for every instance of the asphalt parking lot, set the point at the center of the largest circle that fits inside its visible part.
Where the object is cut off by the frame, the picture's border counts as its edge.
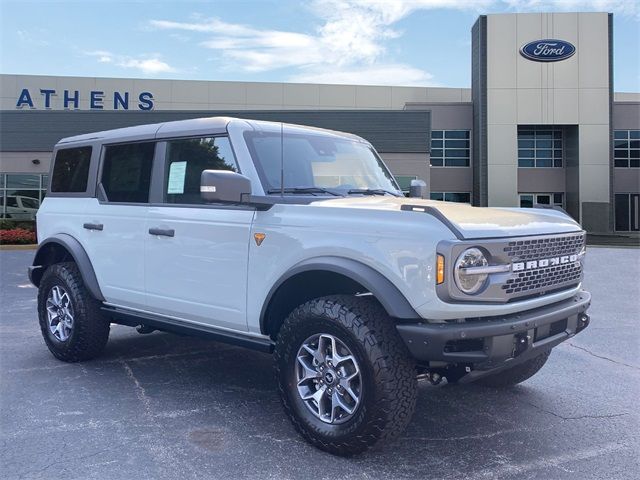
(162, 406)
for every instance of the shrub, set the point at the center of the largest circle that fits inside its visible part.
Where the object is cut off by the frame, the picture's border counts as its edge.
(17, 236)
(9, 224)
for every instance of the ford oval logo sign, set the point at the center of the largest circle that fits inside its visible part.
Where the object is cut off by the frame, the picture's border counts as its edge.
(547, 50)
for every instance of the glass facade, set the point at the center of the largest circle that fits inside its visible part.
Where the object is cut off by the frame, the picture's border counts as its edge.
(626, 148)
(460, 197)
(450, 148)
(528, 200)
(627, 212)
(539, 147)
(21, 195)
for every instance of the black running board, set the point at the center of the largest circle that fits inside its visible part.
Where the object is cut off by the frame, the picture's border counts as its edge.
(133, 319)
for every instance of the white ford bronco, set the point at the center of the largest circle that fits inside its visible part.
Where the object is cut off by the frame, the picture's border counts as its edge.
(298, 241)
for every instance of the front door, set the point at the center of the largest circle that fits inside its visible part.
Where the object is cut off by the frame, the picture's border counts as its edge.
(196, 255)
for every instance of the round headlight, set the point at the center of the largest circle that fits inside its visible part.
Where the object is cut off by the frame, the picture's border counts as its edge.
(466, 282)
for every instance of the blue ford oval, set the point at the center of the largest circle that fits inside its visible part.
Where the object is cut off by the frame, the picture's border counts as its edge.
(549, 50)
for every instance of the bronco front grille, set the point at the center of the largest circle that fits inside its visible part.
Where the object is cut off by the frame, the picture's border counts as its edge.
(545, 247)
(549, 276)
(544, 277)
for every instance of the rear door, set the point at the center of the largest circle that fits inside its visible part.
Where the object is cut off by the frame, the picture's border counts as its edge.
(197, 254)
(114, 223)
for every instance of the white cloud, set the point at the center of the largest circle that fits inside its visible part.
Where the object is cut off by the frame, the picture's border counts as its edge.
(378, 74)
(36, 37)
(349, 43)
(151, 65)
(620, 7)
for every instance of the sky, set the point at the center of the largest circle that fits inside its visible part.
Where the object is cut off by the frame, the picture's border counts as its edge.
(377, 42)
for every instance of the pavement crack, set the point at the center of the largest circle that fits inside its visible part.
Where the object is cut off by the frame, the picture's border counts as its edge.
(140, 391)
(602, 357)
(579, 417)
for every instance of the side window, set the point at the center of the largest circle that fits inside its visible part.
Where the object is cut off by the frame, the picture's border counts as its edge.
(126, 172)
(71, 170)
(186, 159)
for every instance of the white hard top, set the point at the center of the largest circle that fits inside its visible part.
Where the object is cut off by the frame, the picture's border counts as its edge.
(195, 126)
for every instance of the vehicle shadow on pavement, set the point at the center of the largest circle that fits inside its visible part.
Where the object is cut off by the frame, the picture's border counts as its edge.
(216, 399)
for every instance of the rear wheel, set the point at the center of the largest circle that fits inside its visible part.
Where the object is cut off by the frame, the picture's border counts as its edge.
(516, 374)
(72, 324)
(346, 379)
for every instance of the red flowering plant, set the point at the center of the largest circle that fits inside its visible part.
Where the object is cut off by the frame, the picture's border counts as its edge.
(17, 236)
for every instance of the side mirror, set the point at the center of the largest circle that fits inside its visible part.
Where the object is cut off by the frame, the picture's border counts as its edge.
(224, 186)
(418, 189)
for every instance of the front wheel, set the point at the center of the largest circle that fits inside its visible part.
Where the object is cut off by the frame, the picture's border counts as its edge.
(346, 379)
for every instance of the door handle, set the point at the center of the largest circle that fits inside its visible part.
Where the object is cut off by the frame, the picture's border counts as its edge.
(163, 232)
(93, 226)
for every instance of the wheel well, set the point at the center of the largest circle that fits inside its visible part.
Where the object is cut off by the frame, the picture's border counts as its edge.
(48, 255)
(301, 288)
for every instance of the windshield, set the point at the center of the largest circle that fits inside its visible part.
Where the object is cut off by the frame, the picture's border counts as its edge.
(316, 163)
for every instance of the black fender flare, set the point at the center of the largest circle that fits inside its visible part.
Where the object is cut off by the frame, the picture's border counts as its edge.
(79, 255)
(393, 301)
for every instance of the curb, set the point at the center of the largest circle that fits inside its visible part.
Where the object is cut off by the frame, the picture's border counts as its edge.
(18, 247)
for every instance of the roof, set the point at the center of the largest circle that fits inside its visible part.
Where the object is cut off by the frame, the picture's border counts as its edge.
(194, 126)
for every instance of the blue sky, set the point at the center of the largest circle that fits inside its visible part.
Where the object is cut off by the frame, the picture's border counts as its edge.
(395, 42)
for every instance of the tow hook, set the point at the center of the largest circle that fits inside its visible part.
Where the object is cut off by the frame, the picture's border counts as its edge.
(434, 378)
(583, 322)
(521, 343)
(144, 329)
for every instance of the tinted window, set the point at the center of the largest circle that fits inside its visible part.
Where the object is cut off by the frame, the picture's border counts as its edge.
(71, 170)
(186, 159)
(126, 172)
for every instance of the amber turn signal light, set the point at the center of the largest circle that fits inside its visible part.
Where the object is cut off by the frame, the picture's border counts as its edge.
(439, 269)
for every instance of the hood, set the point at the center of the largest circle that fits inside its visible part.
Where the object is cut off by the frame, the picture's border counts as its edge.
(465, 221)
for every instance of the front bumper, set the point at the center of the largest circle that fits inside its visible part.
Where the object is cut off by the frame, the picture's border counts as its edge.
(497, 342)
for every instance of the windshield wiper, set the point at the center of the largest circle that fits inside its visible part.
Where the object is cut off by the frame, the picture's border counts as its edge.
(371, 191)
(303, 190)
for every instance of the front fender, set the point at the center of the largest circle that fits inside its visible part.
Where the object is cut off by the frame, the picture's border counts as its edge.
(393, 301)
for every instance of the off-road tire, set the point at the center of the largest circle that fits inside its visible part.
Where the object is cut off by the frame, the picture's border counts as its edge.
(90, 330)
(388, 372)
(516, 374)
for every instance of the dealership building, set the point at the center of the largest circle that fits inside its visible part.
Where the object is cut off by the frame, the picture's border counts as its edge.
(541, 123)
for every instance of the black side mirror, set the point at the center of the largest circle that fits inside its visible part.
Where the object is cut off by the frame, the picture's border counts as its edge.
(418, 189)
(224, 186)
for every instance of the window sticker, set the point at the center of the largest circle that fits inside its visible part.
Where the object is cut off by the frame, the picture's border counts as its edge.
(177, 172)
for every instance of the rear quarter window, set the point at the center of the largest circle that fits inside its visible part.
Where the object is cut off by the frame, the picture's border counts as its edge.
(71, 170)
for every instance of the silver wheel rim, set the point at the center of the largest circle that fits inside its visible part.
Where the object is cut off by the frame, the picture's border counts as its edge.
(59, 313)
(328, 378)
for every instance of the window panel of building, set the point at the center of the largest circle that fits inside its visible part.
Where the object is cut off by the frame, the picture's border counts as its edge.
(627, 212)
(529, 200)
(459, 197)
(626, 148)
(21, 195)
(539, 147)
(450, 148)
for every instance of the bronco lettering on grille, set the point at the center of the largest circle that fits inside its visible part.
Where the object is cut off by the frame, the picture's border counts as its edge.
(546, 262)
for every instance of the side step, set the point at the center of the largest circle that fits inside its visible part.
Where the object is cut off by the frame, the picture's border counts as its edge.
(134, 319)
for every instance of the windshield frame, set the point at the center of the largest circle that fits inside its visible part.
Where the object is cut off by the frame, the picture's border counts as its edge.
(297, 131)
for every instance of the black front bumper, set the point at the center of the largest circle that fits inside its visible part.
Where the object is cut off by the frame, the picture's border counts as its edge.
(493, 343)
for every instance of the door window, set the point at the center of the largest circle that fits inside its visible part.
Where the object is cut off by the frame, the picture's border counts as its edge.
(126, 172)
(186, 160)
